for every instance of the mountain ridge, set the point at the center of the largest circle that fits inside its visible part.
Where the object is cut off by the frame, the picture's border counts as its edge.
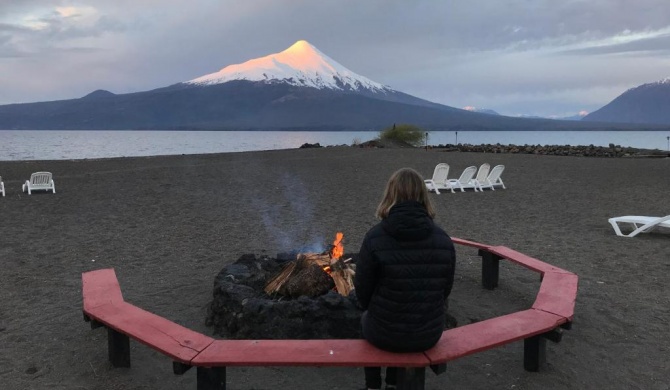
(645, 104)
(308, 91)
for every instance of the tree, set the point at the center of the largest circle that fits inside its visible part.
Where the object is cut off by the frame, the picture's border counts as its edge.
(403, 133)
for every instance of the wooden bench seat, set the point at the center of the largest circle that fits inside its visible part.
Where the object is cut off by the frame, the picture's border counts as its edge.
(557, 295)
(353, 352)
(99, 288)
(484, 335)
(179, 343)
(524, 260)
(103, 305)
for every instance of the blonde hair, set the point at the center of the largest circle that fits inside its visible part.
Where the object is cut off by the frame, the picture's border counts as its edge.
(405, 184)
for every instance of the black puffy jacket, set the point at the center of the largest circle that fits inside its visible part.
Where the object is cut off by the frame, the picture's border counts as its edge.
(404, 275)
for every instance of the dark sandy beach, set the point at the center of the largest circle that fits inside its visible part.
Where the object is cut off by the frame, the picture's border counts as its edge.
(169, 224)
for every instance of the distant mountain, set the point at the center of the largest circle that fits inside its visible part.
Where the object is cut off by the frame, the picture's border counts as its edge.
(571, 118)
(480, 110)
(299, 88)
(578, 117)
(99, 93)
(647, 103)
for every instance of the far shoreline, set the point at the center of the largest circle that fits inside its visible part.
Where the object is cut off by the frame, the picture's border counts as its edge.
(612, 151)
(75, 144)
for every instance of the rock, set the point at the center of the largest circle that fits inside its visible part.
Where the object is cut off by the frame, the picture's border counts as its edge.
(308, 145)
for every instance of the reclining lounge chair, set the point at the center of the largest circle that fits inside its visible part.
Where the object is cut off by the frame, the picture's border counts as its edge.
(493, 179)
(465, 181)
(641, 224)
(439, 180)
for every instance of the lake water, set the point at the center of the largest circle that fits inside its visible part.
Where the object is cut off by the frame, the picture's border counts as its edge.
(66, 145)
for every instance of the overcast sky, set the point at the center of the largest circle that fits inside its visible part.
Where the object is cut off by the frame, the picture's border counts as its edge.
(533, 57)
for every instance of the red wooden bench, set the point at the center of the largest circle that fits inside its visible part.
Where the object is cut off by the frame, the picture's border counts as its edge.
(103, 305)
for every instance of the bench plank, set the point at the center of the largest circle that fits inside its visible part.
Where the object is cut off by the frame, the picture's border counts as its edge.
(480, 336)
(473, 244)
(557, 295)
(352, 352)
(165, 336)
(99, 288)
(524, 260)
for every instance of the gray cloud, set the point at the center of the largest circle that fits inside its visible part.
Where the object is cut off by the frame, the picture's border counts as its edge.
(653, 46)
(515, 56)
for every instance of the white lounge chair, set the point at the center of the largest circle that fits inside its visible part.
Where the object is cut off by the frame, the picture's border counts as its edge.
(465, 181)
(39, 181)
(641, 224)
(2, 186)
(482, 174)
(439, 180)
(493, 179)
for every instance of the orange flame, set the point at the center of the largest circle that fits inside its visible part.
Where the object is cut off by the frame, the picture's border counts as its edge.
(338, 248)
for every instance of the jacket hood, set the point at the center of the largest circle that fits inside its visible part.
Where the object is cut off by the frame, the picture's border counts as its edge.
(408, 221)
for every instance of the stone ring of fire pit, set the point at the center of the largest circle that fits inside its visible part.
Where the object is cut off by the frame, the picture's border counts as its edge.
(241, 309)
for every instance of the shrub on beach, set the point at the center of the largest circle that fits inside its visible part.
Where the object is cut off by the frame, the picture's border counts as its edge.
(403, 133)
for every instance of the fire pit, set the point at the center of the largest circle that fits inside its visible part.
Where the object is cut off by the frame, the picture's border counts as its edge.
(292, 296)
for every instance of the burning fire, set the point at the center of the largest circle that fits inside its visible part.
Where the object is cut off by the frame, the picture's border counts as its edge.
(338, 248)
(341, 271)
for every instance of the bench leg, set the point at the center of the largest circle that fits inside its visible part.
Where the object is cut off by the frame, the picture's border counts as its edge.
(118, 345)
(94, 324)
(439, 369)
(534, 352)
(490, 268)
(211, 378)
(179, 368)
(411, 378)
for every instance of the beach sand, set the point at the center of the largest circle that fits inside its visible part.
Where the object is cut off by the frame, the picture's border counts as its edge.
(167, 225)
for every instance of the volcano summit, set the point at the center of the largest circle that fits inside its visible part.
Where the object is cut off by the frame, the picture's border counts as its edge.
(301, 65)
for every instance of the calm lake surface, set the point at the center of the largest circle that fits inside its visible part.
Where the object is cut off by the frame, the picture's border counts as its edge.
(66, 145)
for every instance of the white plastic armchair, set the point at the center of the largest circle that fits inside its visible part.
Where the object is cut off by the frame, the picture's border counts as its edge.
(39, 181)
(439, 180)
(640, 223)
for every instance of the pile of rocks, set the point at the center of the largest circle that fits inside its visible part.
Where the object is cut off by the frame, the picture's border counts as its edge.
(557, 150)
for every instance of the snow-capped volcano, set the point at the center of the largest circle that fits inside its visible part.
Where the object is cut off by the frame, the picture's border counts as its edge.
(299, 88)
(301, 65)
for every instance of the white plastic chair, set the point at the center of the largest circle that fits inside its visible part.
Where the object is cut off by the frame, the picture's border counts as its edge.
(2, 186)
(465, 180)
(482, 174)
(39, 181)
(493, 179)
(641, 224)
(439, 180)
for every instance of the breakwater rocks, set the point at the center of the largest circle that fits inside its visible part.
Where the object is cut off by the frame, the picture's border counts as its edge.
(557, 150)
(550, 150)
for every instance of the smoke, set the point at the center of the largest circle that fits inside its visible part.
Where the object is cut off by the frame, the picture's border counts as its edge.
(290, 222)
